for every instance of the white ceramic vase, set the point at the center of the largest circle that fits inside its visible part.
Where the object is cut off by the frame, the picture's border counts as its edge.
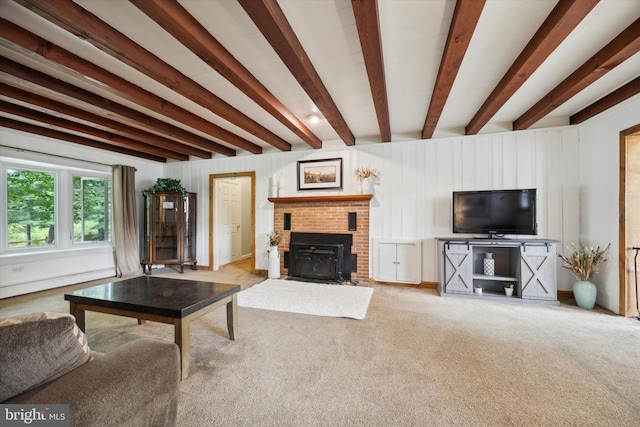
(366, 186)
(274, 262)
(489, 264)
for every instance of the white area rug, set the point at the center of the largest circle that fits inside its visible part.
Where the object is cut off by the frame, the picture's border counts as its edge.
(308, 298)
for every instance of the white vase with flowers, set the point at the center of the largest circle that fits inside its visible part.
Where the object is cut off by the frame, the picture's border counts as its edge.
(275, 237)
(364, 177)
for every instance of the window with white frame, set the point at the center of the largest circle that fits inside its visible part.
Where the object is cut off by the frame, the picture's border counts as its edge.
(51, 206)
(91, 209)
(31, 204)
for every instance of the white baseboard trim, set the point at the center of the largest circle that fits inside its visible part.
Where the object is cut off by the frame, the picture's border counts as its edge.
(55, 282)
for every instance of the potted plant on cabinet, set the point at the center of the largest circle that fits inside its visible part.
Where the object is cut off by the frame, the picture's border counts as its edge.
(508, 289)
(166, 184)
(584, 262)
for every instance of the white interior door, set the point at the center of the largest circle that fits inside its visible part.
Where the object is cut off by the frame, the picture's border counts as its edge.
(227, 223)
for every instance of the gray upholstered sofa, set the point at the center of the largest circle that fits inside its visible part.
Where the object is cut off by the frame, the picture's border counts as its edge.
(46, 360)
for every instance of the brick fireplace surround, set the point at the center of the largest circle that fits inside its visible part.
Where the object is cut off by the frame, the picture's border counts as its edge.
(326, 214)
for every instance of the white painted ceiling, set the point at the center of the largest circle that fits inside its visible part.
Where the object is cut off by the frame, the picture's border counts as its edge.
(413, 36)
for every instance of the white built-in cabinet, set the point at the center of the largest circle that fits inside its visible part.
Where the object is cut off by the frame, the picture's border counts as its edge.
(397, 260)
(529, 264)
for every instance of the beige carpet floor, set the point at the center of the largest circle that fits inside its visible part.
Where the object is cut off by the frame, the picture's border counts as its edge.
(417, 359)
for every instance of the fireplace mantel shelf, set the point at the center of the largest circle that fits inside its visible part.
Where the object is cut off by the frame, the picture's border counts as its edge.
(338, 198)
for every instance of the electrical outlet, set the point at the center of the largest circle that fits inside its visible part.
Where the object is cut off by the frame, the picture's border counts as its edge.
(17, 269)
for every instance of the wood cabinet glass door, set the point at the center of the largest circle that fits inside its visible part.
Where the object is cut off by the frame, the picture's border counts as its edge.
(166, 215)
(189, 232)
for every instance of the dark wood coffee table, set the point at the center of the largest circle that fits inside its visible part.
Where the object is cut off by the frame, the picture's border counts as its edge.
(174, 301)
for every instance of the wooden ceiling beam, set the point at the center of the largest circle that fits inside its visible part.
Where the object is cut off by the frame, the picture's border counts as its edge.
(175, 19)
(621, 48)
(85, 25)
(65, 125)
(562, 20)
(55, 108)
(368, 24)
(63, 136)
(625, 92)
(47, 53)
(465, 18)
(102, 106)
(272, 23)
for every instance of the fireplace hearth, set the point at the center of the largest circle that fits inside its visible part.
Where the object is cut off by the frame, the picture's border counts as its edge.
(320, 257)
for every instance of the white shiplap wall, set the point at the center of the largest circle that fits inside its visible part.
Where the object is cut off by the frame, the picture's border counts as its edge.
(413, 193)
(600, 191)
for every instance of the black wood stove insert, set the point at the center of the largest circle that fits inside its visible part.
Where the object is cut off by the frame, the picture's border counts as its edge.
(320, 257)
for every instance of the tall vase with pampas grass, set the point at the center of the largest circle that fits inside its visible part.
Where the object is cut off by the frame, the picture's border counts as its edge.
(584, 262)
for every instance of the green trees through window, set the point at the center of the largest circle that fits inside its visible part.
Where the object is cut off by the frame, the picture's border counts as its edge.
(30, 208)
(91, 207)
(33, 199)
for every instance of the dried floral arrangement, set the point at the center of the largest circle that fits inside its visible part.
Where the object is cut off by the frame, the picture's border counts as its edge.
(584, 261)
(275, 237)
(365, 173)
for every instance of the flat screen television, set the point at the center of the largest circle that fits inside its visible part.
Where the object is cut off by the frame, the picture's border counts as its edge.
(495, 212)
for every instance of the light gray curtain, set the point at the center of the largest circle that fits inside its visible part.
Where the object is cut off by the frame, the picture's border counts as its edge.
(125, 221)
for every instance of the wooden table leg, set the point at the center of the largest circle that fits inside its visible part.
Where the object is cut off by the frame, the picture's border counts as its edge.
(183, 339)
(232, 317)
(78, 314)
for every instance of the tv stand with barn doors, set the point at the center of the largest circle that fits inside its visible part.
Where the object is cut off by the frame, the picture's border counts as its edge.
(530, 264)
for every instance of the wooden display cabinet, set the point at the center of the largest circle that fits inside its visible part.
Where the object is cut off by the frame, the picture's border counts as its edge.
(169, 230)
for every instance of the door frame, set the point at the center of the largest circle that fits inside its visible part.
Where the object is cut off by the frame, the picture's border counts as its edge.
(212, 179)
(622, 235)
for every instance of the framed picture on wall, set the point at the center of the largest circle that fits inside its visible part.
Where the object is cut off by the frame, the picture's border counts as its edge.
(320, 174)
